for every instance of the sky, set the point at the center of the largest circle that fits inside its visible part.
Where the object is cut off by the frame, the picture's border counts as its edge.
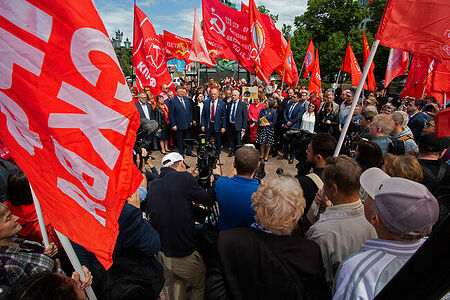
(177, 16)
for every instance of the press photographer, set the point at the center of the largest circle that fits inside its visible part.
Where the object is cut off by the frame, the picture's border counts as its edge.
(298, 140)
(143, 141)
(171, 213)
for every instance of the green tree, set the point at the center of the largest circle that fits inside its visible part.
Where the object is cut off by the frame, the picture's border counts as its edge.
(264, 10)
(125, 57)
(286, 31)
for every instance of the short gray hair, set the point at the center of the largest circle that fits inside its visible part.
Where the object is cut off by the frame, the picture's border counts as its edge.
(400, 117)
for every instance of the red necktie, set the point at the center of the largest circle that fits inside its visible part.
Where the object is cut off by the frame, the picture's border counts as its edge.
(212, 112)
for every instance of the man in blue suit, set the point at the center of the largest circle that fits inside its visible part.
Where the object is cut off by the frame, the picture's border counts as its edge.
(291, 119)
(417, 118)
(214, 119)
(237, 117)
(180, 116)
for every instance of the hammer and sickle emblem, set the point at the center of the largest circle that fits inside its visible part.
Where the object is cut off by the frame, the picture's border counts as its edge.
(158, 60)
(216, 27)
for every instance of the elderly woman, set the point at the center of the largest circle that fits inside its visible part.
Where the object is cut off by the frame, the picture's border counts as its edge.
(269, 261)
(21, 258)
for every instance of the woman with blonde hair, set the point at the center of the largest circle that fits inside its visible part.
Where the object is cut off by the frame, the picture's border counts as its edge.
(268, 260)
(404, 166)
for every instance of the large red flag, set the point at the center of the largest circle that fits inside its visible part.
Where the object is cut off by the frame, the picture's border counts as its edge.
(67, 117)
(176, 46)
(244, 8)
(316, 81)
(229, 39)
(198, 51)
(350, 65)
(416, 80)
(417, 26)
(370, 75)
(443, 123)
(262, 52)
(441, 79)
(149, 59)
(288, 70)
(309, 59)
(397, 65)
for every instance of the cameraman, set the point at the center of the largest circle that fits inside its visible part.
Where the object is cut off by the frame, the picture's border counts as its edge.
(170, 199)
(233, 193)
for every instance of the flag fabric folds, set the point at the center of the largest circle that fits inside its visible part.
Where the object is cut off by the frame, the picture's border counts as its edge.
(370, 76)
(443, 123)
(198, 51)
(288, 70)
(309, 59)
(262, 53)
(149, 59)
(316, 81)
(417, 26)
(350, 65)
(441, 79)
(417, 76)
(67, 117)
(397, 65)
(176, 46)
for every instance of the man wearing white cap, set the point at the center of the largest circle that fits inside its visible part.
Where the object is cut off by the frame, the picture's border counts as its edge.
(402, 212)
(270, 89)
(169, 199)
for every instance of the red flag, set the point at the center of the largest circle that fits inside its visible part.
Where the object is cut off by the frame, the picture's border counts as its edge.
(230, 41)
(416, 81)
(244, 8)
(441, 79)
(417, 26)
(397, 65)
(199, 52)
(443, 123)
(350, 65)
(149, 59)
(176, 46)
(288, 70)
(262, 52)
(68, 118)
(370, 75)
(309, 59)
(316, 81)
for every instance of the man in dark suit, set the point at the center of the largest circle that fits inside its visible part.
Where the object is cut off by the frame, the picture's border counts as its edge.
(237, 117)
(145, 111)
(417, 118)
(291, 119)
(214, 119)
(180, 116)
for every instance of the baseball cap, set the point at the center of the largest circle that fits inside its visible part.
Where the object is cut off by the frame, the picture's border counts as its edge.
(171, 158)
(349, 93)
(404, 204)
(272, 79)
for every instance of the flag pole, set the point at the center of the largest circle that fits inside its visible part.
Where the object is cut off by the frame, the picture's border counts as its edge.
(75, 262)
(337, 79)
(373, 50)
(37, 207)
(282, 80)
(445, 100)
(301, 70)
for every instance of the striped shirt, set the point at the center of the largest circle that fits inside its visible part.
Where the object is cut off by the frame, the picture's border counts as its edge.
(364, 274)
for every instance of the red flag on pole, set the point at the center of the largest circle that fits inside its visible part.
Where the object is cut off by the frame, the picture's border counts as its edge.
(441, 79)
(230, 41)
(370, 75)
(350, 65)
(417, 26)
(443, 123)
(309, 59)
(288, 70)
(416, 80)
(316, 81)
(176, 46)
(149, 59)
(244, 8)
(199, 52)
(67, 117)
(262, 52)
(397, 65)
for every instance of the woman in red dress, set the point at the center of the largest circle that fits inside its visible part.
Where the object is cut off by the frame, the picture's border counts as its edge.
(253, 114)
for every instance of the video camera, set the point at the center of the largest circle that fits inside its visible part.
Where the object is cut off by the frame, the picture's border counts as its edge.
(299, 139)
(351, 139)
(146, 128)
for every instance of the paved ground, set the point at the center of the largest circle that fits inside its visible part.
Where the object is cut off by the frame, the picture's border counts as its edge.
(270, 167)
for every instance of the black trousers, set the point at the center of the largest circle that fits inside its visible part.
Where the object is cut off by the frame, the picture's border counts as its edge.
(234, 137)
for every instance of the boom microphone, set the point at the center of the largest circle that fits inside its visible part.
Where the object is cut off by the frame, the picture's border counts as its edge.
(147, 127)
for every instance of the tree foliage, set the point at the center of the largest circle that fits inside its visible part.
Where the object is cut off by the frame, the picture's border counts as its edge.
(286, 31)
(125, 57)
(264, 10)
(332, 24)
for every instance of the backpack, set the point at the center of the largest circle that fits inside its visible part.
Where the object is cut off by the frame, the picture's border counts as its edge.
(397, 147)
(5, 168)
(442, 198)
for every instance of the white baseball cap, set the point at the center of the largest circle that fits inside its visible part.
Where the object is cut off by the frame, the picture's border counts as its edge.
(171, 158)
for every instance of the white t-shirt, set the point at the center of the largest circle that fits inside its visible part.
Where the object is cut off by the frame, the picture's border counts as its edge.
(308, 122)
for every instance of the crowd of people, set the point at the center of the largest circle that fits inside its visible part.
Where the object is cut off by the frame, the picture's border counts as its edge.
(342, 228)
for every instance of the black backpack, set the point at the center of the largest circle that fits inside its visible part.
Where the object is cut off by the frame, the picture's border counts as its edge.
(397, 147)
